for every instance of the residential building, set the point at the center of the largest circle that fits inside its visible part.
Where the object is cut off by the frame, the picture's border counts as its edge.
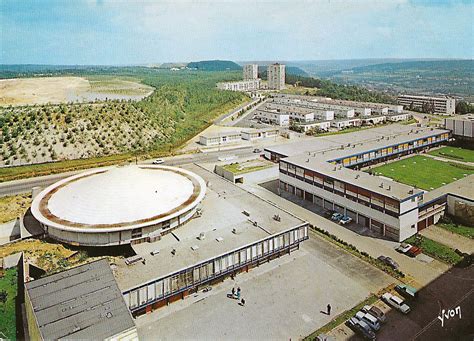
(276, 76)
(440, 105)
(272, 117)
(244, 85)
(250, 71)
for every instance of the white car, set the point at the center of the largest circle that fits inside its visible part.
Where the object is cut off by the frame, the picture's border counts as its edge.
(372, 321)
(158, 161)
(404, 247)
(396, 302)
(375, 311)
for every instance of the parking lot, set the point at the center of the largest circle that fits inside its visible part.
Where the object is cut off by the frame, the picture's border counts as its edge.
(294, 290)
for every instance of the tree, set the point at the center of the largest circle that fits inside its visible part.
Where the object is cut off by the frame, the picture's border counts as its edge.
(3, 298)
(463, 108)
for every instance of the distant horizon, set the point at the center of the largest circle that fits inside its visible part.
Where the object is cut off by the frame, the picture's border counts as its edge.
(251, 61)
(108, 32)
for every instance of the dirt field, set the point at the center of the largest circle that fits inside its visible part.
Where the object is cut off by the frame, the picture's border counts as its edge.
(13, 206)
(29, 91)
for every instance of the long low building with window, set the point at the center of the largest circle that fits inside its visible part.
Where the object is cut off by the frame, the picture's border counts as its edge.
(318, 171)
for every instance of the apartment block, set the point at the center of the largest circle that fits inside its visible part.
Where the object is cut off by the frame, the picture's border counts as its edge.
(441, 105)
(276, 76)
(250, 72)
(245, 85)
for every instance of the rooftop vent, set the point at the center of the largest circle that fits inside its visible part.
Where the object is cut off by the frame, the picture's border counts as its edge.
(381, 185)
(307, 160)
(410, 191)
(389, 188)
(357, 176)
(334, 168)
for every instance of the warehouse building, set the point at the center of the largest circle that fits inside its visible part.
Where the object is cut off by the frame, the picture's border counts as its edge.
(118, 205)
(440, 105)
(82, 303)
(318, 171)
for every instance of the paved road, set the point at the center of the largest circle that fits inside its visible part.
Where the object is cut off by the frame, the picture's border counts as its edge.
(25, 185)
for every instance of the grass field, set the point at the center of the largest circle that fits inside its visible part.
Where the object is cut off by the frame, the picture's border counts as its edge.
(436, 250)
(454, 153)
(423, 172)
(7, 311)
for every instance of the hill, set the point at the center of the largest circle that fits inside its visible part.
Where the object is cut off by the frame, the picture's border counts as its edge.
(453, 77)
(182, 104)
(214, 65)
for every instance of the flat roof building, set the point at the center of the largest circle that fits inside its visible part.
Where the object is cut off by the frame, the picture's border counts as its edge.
(276, 76)
(439, 105)
(461, 126)
(81, 303)
(219, 139)
(118, 205)
(318, 170)
(244, 85)
(250, 71)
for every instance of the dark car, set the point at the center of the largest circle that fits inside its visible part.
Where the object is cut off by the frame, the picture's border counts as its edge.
(354, 325)
(406, 291)
(388, 261)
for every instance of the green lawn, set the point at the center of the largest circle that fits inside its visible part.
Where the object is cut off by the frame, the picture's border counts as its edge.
(423, 172)
(459, 229)
(436, 250)
(7, 311)
(455, 153)
(240, 168)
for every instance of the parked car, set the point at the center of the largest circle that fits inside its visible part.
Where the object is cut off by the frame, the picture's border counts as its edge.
(158, 161)
(404, 247)
(396, 302)
(389, 261)
(406, 291)
(336, 216)
(257, 150)
(370, 320)
(376, 312)
(355, 325)
(345, 220)
(414, 251)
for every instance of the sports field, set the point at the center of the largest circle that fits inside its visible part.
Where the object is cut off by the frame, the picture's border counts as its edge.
(454, 153)
(423, 172)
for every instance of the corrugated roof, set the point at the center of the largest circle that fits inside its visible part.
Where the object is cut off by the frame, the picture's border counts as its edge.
(80, 303)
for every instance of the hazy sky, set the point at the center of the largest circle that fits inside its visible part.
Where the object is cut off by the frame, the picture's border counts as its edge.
(137, 32)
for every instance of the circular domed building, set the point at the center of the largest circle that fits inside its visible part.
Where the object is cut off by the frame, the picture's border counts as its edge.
(118, 205)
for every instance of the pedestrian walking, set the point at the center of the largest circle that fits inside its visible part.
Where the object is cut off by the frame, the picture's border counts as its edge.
(242, 302)
(238, 290)
(329, 309)
(233, 291)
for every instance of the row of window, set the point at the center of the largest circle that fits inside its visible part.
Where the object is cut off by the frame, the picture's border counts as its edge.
(351, 192)
(203, 272)
(390, 231)
(364, 157)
